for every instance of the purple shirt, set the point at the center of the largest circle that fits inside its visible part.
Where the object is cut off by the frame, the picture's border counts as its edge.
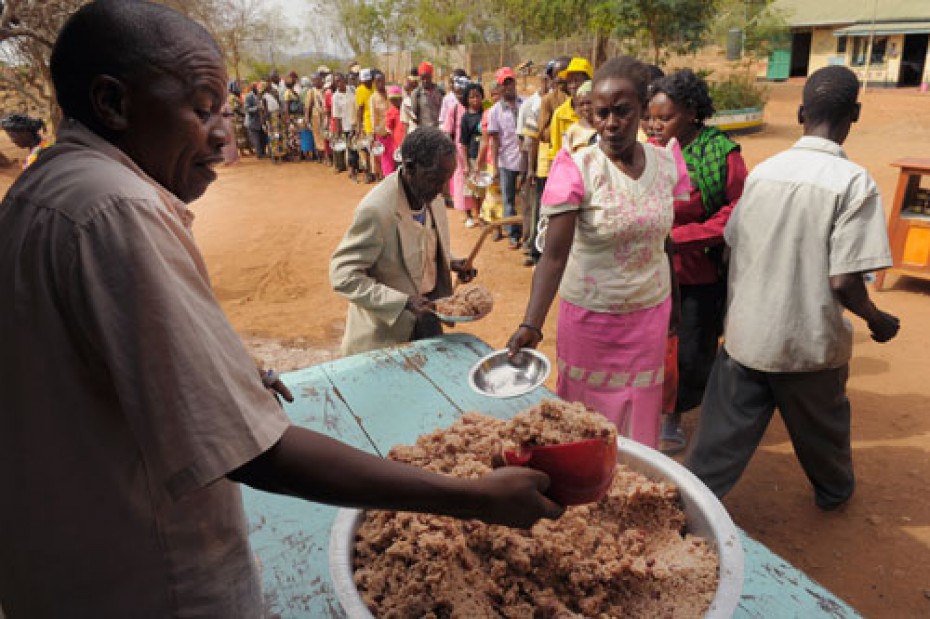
(502, 120)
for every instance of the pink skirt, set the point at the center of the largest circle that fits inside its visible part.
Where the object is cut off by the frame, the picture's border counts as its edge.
(387, 157)
(614, 364)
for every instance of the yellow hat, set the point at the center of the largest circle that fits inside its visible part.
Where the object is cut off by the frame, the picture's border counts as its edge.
(578, 65)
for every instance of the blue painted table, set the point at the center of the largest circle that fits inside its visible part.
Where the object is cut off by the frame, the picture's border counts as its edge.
(383, 398)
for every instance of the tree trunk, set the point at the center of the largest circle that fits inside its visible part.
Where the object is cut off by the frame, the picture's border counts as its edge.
(600, 49)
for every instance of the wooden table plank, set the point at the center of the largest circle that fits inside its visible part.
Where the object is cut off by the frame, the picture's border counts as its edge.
(289, 537)
(392, 396)
(776, 589)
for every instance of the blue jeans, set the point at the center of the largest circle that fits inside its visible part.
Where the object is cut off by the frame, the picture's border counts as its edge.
(509, 194)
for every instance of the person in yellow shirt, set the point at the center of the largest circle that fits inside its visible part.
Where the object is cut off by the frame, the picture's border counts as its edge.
(363, 120)
(579, 71)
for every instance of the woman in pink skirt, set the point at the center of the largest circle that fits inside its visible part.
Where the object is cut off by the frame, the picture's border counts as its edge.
(605, 219)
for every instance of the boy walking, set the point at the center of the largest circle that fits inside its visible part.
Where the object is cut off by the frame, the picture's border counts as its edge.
(808, 227)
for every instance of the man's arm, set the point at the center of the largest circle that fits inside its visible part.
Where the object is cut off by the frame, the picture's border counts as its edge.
(850, 290)
(304, 464)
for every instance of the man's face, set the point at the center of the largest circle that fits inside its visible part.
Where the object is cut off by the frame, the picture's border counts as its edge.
(574, 80)
(509, 89)
(427, 182)
(175, 130)
(427, 80)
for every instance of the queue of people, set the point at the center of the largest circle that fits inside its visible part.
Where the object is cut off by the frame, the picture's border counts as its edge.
(636, 196)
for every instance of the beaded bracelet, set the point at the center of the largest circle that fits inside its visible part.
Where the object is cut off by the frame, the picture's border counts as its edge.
(533, 328)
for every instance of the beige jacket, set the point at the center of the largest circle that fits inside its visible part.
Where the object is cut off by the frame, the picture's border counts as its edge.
(378, 265)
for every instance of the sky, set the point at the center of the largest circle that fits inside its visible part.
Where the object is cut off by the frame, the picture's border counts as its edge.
(316, 37)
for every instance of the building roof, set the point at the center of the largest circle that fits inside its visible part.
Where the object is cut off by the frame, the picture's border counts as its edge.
(847, 12)
(884, 29)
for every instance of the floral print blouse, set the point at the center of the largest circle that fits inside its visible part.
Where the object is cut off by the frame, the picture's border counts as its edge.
(617, 262)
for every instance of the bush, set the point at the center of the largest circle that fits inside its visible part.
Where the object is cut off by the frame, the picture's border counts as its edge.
(737, 92)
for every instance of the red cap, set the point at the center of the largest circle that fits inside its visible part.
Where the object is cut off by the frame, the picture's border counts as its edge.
(504, 73)
(425, 68)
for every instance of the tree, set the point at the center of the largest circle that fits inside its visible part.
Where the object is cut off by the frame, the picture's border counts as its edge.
(27, 33)
(244, 29)
(360, 23)
(666, 25)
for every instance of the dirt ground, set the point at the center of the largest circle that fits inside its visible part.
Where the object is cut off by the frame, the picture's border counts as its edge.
(267, 232)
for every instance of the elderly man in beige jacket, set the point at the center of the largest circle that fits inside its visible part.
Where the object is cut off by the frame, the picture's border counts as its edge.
(395, 258)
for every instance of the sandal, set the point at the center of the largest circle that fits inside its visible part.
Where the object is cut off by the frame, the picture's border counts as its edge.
(672, 440)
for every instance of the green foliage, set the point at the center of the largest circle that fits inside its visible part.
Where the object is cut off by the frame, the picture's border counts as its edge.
(737, 92)
(664, 26)
(765, 26)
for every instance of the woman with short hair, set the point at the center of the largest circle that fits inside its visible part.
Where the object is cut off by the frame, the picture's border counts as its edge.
(678, 106)
(605, 219)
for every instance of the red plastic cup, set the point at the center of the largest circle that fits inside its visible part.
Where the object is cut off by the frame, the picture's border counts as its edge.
(579, 472)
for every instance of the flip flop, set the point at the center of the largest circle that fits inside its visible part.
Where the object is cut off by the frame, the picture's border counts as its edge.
(672, 440)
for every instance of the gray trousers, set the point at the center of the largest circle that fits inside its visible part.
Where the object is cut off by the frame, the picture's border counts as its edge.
(737, 408)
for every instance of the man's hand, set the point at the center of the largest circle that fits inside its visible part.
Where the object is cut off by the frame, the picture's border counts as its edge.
(514, 497)
(465, 275)
(884, 326)
(272, 382)
(419, 305)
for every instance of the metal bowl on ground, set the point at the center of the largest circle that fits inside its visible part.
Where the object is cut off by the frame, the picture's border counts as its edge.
(397, 156)
(339, 145)
(377, 149)
(705, 516)
(497, 376)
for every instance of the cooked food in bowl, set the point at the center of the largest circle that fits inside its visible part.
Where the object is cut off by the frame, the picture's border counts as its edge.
(576, 448)
(624, 556)
(473, 300)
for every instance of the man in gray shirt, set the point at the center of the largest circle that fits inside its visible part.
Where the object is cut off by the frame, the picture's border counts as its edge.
(810, 224)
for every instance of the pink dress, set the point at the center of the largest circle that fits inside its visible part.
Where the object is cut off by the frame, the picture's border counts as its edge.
(453, 127)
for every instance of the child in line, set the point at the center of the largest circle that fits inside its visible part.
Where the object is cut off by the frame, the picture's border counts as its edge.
(470, 137)
(582, 133)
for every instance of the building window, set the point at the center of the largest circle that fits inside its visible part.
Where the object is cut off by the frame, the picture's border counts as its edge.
(841, 45)
(878, 50)
(860, 46)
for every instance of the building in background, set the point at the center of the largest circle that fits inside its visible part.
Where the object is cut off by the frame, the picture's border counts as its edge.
(886, 42)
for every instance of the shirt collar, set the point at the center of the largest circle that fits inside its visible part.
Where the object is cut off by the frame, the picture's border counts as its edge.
(810, 142)
(73, 132)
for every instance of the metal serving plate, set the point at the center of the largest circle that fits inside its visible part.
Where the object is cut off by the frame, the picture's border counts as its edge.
(483, 179)
(496, 376)
(706, 517)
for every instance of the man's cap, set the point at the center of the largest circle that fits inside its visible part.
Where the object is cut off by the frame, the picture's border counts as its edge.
(504, 73)
(425, 68)
(462, 82)
(578, 65)
(355, 68)
(323, 69)
(365, 75)
(394, 92)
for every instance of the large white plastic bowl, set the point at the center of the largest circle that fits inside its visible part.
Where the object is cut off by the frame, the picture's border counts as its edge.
(705, 514)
